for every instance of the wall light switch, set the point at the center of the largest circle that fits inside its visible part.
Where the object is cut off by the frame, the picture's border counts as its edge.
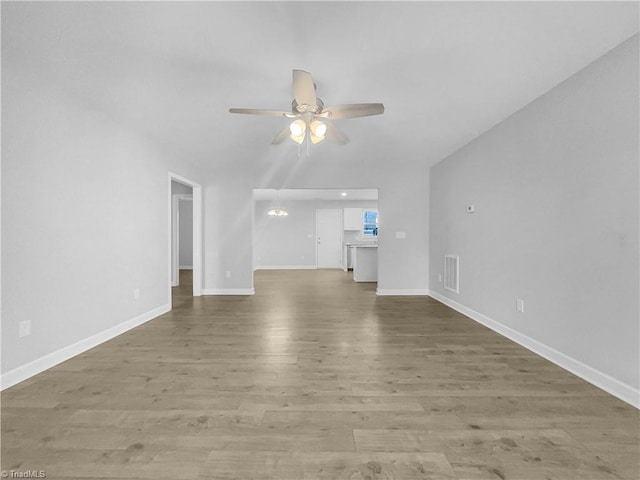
(401, 235)
(136, 293)
(228, 274)
(520, 305)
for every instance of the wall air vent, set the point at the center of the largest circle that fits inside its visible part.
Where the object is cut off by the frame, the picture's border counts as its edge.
(451, 271)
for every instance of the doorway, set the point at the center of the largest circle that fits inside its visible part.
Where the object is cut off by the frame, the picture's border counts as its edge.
(289, 242)
(329, 228)
(182, 231)
(185, 196)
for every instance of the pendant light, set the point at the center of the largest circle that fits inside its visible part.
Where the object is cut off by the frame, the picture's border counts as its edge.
(278, 211)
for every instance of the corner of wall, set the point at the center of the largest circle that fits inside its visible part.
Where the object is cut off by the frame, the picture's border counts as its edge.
(39, 365)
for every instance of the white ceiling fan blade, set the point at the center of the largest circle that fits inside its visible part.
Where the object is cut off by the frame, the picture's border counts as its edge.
(353, 110)
(257, 111)
(310, 116)
(303, 90)
(335, 135)
(282, 136)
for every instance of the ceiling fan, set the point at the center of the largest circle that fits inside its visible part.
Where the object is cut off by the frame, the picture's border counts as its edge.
(310, 116)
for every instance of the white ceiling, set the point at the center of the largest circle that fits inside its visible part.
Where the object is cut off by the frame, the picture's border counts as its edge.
(445, 71)
(315, 194)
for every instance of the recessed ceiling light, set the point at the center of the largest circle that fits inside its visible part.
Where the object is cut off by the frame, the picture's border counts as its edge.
(344, 194)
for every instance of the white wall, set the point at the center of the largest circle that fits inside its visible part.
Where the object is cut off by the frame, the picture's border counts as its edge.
(291, 241)
(557, 197)
(403, 198)
(85, 198)
(178, 188)
(185, 234)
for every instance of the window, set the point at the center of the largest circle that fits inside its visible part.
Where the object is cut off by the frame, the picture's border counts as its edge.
(370, 224)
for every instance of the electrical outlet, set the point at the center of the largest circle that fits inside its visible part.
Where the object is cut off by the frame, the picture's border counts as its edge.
(136, 293)
(24, 328)
(520, 305)
(228, 274)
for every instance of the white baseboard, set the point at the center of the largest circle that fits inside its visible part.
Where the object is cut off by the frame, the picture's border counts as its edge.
(185, 267)
(228, 291)
(19, 374)
(601, 380)
(285, 267)
(401, 291)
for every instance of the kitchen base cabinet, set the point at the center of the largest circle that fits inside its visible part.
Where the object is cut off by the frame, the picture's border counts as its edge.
(365, 263)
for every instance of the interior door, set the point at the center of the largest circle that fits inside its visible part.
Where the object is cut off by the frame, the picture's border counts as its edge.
(329, 238)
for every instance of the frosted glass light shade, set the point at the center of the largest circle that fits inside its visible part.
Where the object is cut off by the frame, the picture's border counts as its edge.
(297, 128)
(318, 128)
(277, 212)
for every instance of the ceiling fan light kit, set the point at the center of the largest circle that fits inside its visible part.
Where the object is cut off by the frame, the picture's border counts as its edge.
(298, 129)
(310, 116)
(318, 131)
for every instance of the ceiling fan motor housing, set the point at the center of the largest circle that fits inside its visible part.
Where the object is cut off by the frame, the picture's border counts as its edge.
(317, 108)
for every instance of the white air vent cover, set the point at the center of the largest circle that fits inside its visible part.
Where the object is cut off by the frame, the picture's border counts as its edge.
(451, 272)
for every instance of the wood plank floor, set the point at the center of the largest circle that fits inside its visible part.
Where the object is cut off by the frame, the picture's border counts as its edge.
(314, 377)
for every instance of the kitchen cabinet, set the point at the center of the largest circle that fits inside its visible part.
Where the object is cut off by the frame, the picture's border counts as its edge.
(365, 263)
(350, 254)
(353, 219)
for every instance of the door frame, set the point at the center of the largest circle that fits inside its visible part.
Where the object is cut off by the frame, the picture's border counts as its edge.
(341, 234)
(197, 232)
